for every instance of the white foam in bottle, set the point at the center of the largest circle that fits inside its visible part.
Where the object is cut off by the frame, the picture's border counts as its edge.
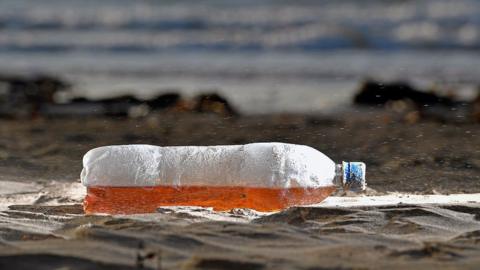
(120, 177)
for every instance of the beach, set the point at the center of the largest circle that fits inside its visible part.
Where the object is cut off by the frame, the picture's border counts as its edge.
(393, 84)
(42, 222)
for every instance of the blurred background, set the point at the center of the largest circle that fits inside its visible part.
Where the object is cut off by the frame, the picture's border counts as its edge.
(264, 56)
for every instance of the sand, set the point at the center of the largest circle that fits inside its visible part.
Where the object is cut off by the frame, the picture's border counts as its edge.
(43, 227)
(356, 233)
(421, 209)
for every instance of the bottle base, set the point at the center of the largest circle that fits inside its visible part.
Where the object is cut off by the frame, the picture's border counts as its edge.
(136, 200)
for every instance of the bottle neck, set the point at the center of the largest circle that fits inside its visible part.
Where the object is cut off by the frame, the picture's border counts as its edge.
(350, 176)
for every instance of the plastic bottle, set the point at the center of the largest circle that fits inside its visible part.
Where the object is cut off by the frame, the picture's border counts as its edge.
(128, 179)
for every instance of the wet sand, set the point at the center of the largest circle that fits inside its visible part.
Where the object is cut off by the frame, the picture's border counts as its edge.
(42, 224)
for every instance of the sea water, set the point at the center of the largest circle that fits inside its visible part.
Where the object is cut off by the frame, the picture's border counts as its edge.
(260, 55)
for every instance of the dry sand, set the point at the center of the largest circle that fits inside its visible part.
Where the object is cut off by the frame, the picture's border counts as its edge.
(42, 225)
(51, 234)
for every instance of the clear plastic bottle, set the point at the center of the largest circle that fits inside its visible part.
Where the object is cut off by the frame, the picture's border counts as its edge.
(129, 179)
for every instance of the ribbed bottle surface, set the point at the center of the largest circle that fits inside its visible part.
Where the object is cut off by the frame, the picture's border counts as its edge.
(262, 176)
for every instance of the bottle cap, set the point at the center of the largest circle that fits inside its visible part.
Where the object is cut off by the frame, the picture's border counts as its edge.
(354, 176)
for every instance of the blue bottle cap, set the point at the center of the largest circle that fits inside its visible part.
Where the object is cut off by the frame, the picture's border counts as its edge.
(354, 176)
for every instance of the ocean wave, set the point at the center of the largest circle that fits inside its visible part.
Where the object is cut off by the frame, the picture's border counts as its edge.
(50, 25)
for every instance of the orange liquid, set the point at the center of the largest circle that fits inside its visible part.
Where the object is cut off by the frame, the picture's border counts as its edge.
(131, 200)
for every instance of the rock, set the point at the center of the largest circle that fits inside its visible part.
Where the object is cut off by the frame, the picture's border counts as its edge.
(214, 103)
(121, 106)
(411, 104)
(163, 101)
(25, 96)
(377, 93)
